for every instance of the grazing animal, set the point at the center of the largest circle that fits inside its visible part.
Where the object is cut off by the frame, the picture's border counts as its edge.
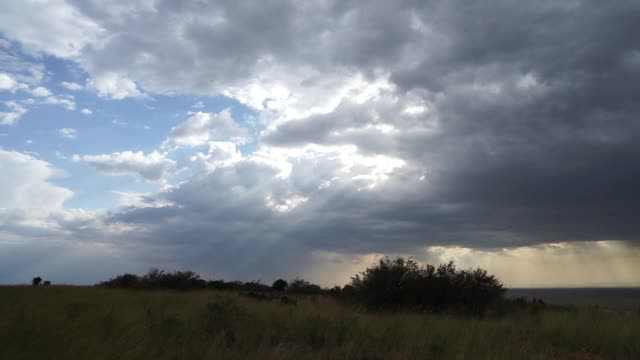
(288, 301)
(47, 282)
(36, 281)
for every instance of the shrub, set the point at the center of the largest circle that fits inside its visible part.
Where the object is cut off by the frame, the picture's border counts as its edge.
(179, 280)
(122, 281)
(300, 286)
(255, 286)
(36, 281)
(279, 285)
(403, 283)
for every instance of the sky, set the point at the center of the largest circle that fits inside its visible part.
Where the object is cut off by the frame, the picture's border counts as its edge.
(281, 139)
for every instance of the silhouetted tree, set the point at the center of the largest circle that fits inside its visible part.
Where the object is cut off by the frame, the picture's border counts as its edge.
(36, 281)
(279, 285)
(47, 282)
(335, 291)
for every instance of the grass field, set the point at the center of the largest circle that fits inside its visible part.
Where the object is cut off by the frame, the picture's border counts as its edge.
(59, 322)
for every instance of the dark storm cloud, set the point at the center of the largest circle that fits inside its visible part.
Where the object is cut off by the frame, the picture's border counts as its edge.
(529, 137)
(549, 160)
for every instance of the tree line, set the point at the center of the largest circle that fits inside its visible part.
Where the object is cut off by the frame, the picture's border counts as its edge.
(389, 284)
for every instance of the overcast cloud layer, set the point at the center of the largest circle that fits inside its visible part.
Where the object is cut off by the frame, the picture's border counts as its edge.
(385, 127)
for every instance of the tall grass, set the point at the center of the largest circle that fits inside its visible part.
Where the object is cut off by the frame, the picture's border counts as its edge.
(60, 322)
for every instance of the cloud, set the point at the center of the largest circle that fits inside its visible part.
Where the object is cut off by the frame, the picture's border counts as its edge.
(138, 200)
(23, 71)
(68, 133)
(11, 117)
(154, 166)
(551, 265)
(53, 27)
(481, 142)
(385, 128)
(86, 112)
(265, 201)
(26, 183)
(7, 83)
(71, 86)
(202, 127)
(40, 91)
(66, 101)
(114, 86)
(221, 153)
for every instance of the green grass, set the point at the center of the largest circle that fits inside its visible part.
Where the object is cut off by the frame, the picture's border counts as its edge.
(61, 322)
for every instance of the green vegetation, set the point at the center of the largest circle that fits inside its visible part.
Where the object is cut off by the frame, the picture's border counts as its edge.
(387, 285)
(59, 322)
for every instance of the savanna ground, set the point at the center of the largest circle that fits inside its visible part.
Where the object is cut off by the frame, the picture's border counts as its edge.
(59, 322)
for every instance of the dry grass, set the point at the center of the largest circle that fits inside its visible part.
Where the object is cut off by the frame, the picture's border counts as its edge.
(93, 323)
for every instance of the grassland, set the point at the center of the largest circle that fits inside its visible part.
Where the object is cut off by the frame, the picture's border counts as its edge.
(59, 322)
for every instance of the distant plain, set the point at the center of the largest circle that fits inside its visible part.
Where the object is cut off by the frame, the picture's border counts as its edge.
(627, 298)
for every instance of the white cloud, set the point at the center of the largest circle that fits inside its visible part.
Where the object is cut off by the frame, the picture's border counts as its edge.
(114, 86)
(40, 91)
(220, 153)
(7, 83)
(138, 200)
(68, 133)
(12, 116)
(154, 166)
(198, 105)
(54, 27)
(202, 127)
(86, 112)
(71, 86)
(25, 183)
(65, 101)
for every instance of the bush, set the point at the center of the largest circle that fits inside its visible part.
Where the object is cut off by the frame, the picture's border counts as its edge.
(279, 285)
(122, 281)
(179, 280)
(403, 283)
(300, 286)
(255, 286)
